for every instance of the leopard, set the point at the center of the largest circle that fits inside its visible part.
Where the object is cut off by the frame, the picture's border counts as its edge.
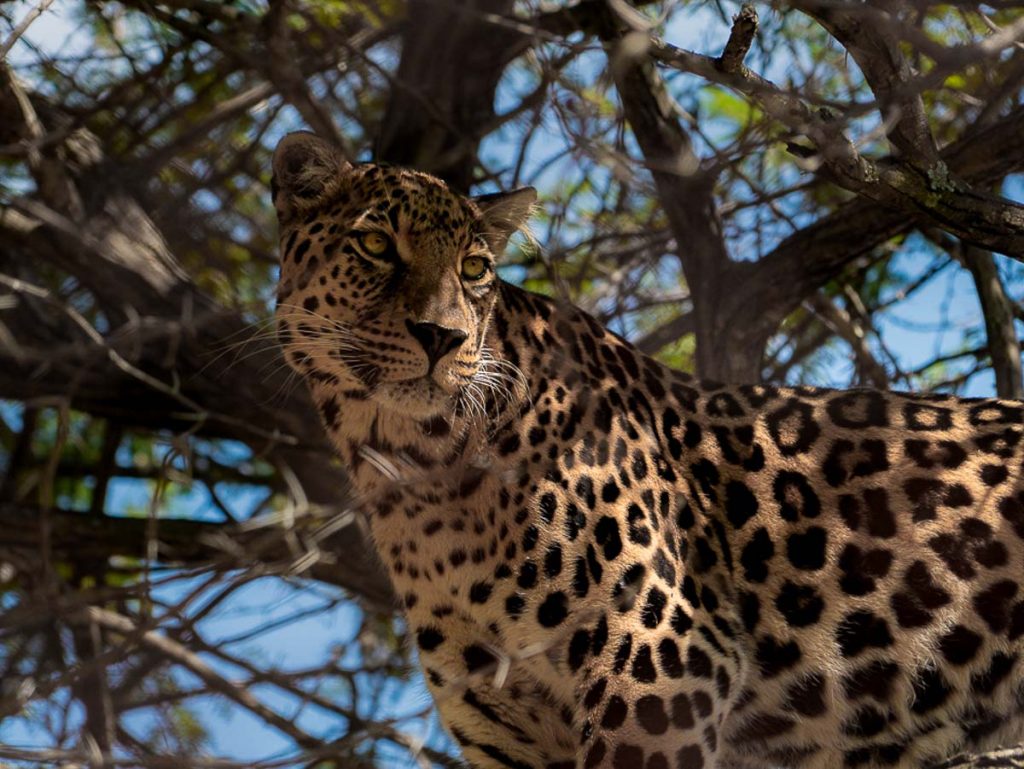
(606, 563)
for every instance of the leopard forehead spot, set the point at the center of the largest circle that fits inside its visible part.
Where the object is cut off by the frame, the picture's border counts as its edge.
(606, 563)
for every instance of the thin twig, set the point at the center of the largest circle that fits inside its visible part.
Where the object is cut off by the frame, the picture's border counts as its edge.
(22, 27)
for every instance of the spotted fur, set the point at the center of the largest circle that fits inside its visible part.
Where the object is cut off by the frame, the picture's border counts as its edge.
(606, 563)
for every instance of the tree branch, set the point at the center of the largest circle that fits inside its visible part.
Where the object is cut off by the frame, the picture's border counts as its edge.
(949, 202)
(678, 327)
(77, 537)
(685, 193)
(741, 37)
(158, 370)
(1000, 329)
(851, 332)
(179, 654)
(871, 36)
(806, 260)
(443, 93)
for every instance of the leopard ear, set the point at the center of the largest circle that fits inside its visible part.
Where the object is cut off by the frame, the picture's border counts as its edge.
(502, 213)
(306, 168)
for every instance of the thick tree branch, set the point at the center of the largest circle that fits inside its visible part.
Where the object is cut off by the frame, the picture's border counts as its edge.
(1000, 329)
(741, 37)
(443, 93)
(80, 537)
(874, 44)
(685, 192)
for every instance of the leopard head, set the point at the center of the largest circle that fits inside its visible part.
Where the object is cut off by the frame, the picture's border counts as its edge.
(387, 277)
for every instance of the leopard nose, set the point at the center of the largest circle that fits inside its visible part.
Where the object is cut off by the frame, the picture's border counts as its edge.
(437, 341)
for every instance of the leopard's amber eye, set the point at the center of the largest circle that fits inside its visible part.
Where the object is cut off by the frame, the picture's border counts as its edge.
(474, 267)
(374, 243)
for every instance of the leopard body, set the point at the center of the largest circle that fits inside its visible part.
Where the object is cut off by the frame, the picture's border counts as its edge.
(607, 563)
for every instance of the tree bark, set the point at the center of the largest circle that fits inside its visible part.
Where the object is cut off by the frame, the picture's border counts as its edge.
(78, 537)
(1000, 328)
(442, 98)
(686, 195)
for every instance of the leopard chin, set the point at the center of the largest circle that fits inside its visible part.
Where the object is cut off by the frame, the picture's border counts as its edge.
(420, 398)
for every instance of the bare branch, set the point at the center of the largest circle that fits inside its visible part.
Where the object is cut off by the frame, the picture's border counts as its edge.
(741, 37)
(22, 26)
(853, 334)
(976, 217)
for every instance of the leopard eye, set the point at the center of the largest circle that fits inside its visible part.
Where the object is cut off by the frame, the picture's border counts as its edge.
(374, 243)
(474, 267)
